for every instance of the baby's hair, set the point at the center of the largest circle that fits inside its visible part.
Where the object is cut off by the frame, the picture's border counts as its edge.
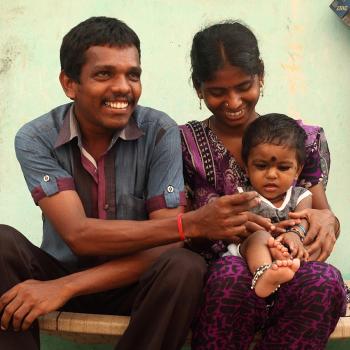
(276, 129)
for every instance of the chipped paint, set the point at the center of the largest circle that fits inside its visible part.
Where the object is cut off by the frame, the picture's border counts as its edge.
(8, 53)
(5, 64)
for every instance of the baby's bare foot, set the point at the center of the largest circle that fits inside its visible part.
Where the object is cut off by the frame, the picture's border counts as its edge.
(277, 250)
(281, 271)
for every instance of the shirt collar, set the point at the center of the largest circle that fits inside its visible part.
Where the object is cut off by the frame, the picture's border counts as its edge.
(285, 201)
(70, 129)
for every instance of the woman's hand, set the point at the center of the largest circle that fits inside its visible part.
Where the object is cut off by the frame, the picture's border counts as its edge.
(320, 238)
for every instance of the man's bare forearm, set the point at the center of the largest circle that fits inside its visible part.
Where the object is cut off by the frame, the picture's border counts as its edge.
(86, 236)
(121, 237)
(113, 274)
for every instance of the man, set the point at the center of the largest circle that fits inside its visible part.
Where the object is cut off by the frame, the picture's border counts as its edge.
(107, 175)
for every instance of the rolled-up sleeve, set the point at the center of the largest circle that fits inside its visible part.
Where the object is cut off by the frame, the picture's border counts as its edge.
(42, 172)
(165, 182)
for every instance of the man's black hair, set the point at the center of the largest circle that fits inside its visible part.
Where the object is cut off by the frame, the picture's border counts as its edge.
(276, 129)
(95, 31)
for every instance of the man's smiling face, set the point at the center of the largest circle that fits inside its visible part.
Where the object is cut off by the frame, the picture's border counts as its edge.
(108, 89)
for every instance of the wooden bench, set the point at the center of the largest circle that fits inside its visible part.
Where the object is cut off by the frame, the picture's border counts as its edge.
(106, 329)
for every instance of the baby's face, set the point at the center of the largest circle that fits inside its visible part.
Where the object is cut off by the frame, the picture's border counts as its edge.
(272, 170)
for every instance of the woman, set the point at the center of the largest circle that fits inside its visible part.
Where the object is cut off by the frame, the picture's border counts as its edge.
(228, 75)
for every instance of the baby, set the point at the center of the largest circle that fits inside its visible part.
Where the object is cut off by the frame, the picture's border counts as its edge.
(273, 151)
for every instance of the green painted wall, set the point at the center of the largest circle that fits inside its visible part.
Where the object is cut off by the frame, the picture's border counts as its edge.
(306, 50)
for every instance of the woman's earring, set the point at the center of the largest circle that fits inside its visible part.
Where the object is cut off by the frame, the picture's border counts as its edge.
(261, 88)
(200, 103)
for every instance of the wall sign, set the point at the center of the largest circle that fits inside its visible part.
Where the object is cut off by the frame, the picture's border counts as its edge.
(342, 9)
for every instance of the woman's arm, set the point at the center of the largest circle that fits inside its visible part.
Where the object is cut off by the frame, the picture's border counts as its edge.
(324, 226)
(319, 198)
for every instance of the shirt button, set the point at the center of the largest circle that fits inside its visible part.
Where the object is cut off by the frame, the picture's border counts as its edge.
(46, 178)
(170, 189)
(106, 207)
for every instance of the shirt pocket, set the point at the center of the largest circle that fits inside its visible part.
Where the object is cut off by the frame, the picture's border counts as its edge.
(131, 208)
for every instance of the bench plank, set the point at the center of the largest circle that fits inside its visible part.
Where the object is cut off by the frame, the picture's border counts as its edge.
(92, 324)
(99, 329)
(84, 328)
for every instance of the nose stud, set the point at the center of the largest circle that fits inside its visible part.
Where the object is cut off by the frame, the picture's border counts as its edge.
(226, 104)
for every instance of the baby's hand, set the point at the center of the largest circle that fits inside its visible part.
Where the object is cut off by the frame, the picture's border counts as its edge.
(295, 245)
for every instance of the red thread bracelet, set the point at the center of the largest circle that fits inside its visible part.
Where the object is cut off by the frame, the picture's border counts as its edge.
(179, 227)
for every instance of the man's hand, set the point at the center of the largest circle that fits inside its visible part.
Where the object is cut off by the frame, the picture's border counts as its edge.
(225, 217)
(281, 226)
(255, 223)
(26, 301)
(320, 238)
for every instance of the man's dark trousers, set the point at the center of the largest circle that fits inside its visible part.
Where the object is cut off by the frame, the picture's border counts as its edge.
(162, 304)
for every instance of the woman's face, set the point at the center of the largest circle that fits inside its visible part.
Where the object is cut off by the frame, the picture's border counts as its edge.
(231, 96)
